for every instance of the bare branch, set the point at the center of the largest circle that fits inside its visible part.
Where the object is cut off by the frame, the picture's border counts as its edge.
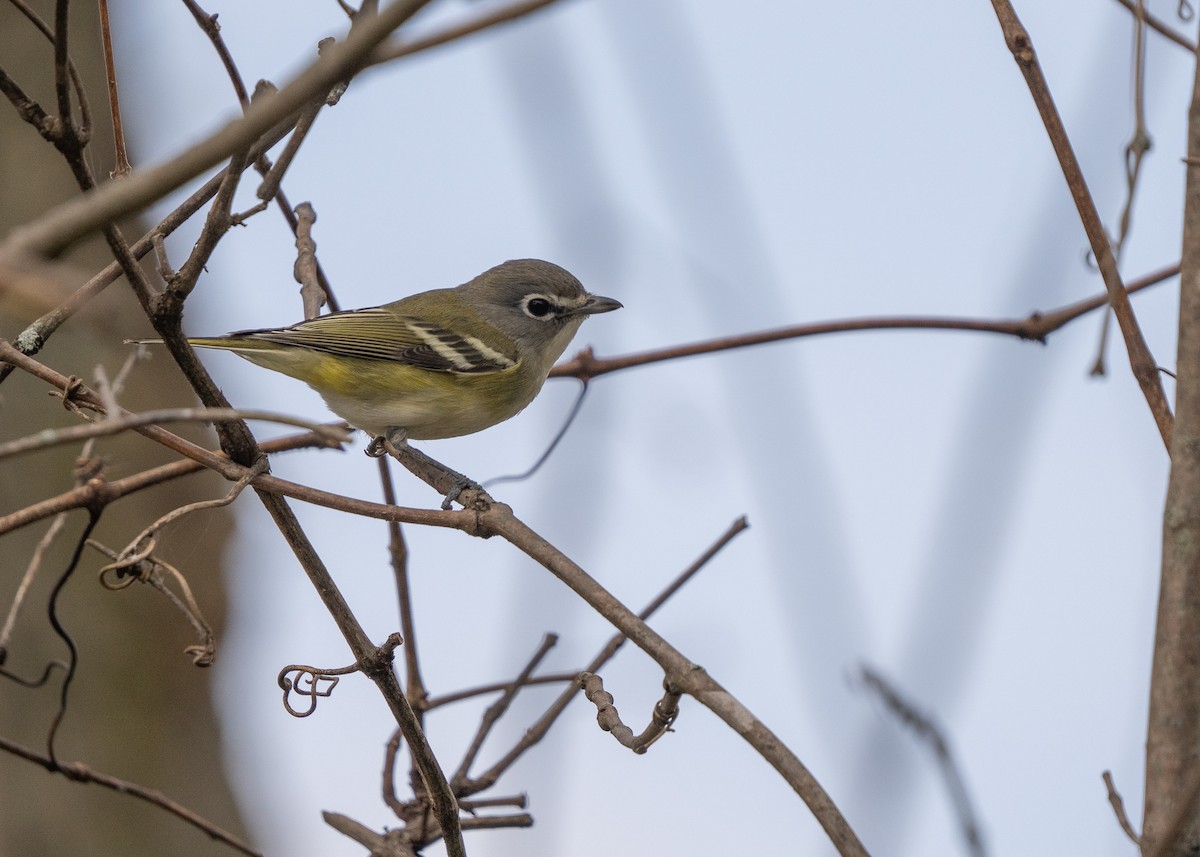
(1171, 820)
(1158, 26)
(122, 169)
(1037, 326)
(665, 712)
(305, 269)
(67, 223)
(116, 425)
(1118, 805)
(81, 773)
(496, 710)
(1140, 359)
(387, 53)
(929, 732)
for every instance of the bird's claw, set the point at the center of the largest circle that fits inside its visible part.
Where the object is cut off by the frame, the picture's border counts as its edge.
(460, 485)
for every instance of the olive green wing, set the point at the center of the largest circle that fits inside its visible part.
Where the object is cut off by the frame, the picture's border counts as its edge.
(379, 334)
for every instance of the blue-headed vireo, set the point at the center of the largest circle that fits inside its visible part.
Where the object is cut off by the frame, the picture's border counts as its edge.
(437, 364)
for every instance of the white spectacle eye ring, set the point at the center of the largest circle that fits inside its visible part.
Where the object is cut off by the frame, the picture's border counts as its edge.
(538, 307)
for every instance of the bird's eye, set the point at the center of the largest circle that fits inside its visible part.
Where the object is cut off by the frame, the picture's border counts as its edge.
(538, 307)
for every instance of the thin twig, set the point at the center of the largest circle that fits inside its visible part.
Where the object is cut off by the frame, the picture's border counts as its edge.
(496, 710)
(117, 424)
(96, 491)
(497, 686)
(270, 183)
(576, 406)
(208, 23)
(305, 270)
(31, 570)
(1162, 29)
(1135, 151)
(122, 169)
(535, 733)
(62, 61)
(1118, 805)
(61, 631)
(1140, 360)
(683, 675)
(930, 733)
(148, 569)
(665, 712)
(85, 113)
(67, 223)
(1037, 327)
(486, 21)
(81, 773)
(414, 684)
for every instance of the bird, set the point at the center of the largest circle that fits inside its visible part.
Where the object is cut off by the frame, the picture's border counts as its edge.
(437, 364)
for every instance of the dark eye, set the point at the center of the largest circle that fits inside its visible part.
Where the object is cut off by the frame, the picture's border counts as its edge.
(538, 307)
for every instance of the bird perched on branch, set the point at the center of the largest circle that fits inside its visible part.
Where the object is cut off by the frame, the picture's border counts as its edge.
(441, 363)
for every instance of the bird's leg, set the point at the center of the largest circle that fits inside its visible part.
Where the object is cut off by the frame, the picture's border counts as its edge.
(435, 474)
(394, 435)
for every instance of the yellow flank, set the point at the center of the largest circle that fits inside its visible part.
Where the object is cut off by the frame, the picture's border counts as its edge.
(375, 394)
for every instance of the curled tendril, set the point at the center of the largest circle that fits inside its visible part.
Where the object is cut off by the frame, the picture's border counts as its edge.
(69, 392)
(315, 682)
(309, 682)
(32, 682)
(130, 566)
(140, 565)
(1185, 11)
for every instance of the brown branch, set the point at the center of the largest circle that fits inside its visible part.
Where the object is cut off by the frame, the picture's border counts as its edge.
(116, 425)
(1118, 805)
(305, 269)
(81, 773)
(379, 670)
(85, 112)
(233, 471)
(1171, 823)
(1037, 327)
(208, 23)
(665, 712)
(929, 732)
(1140, 360)
(681, 674)
(538, 730)
(31, 340)
(121, 170)
(496, 710)
(62, 61)
(365, 654)
(1158, 26)
(415, 688)
(271, 180)
(497, 686)
(31, 570)
(67, 223)
(97, 492)
(505, 15)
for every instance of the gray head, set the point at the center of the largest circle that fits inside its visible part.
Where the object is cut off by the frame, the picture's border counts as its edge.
(536, 304)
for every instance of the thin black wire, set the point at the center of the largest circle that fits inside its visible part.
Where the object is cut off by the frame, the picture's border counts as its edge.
(94, 518)
(519, 477)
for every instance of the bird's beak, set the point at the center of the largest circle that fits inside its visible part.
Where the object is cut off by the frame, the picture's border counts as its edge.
(595, 304)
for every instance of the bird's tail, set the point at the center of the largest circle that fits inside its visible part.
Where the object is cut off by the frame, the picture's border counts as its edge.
(225, 343)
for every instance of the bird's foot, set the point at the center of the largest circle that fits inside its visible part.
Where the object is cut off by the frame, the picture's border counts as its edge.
(394, 435)
(461, 484)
